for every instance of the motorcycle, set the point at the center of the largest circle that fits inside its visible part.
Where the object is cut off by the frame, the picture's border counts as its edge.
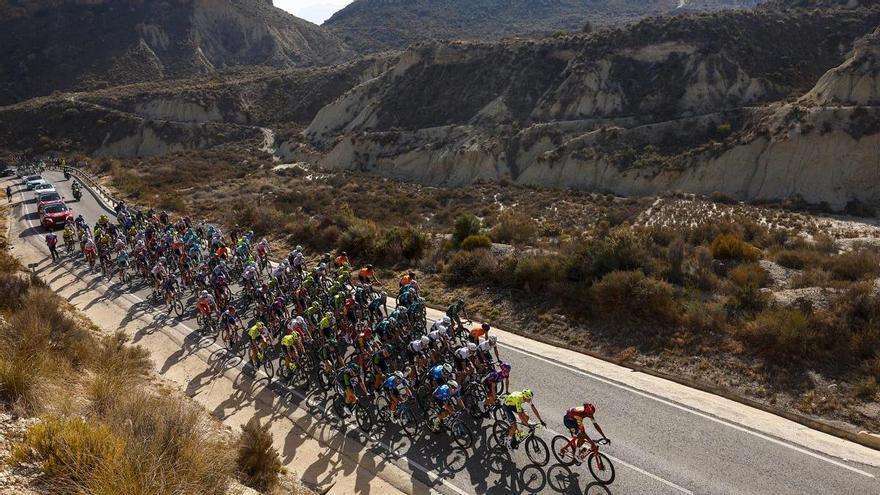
(66, 175)
(77, 194)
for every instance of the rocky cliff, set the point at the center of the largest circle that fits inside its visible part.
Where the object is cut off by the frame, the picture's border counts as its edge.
(68, 44)
(695, 104)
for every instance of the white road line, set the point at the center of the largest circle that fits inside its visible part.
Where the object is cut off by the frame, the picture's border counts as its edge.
(434, 477)
(687, 409)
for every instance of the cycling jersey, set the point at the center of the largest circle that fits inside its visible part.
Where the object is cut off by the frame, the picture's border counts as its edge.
(415, 346)
(462, 353)
(255, 331)
(290, 339)
(515, 400)
(444, 394)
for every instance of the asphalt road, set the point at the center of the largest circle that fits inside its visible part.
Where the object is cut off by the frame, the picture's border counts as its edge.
(659, 445)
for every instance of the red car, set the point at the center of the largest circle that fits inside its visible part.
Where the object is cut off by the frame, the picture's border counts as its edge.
(55, 215)
(47, 198)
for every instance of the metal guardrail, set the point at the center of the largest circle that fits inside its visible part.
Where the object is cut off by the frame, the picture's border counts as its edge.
(108, 201)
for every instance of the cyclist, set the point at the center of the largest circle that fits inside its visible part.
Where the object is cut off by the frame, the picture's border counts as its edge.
(486, 348)
(231, 321)
(479, 332)
(440, 373)
(367, 275)
(291, 345)
(347, 378)
(260, 339)
(462, 357)
(574, 421)
(206, 304)
(513, 407)
(397, 388)
(68, 235)
(453, 311)
(444, 396)
(122, 260)
(492, 379)
(170, 286)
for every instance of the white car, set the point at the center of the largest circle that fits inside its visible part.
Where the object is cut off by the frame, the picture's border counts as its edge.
(43, 187)
(33, 180)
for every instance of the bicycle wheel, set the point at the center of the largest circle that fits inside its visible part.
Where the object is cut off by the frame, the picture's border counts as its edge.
(463, 435)
(383, 414)
(408, 421)
(268, 367)
(475, 403)
(537, 451)
(177, 307)
(363, 418)
(560, 442)
(500, 432)
(601, 467)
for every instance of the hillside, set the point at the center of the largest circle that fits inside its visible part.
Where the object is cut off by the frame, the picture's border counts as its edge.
(371, 25)
(74, 45)
(691, 103)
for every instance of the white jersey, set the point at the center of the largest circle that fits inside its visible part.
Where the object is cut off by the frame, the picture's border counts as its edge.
(462, 353)
(485, 345)
(249, 273)
(415, 346)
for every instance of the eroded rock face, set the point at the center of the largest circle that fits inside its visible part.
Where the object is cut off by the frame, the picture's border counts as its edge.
(682, 105)
(856, 81)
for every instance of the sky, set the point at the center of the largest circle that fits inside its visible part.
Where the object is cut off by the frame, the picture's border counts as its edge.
(316, 11)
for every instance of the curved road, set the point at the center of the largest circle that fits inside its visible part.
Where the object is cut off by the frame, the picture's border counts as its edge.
(667, 439)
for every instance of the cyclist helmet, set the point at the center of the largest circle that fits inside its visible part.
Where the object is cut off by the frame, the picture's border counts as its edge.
(369, 267)
(446, 320)
(298, 249)
(231, 308)
(461, 301)
(328, 315)
(389, 348)
(204, 293)
(392, 321)
(354, 368)
(472, 347)
(527, 394)
(505, 367)
(402, 310)
(162, 260)
(493, 340)
(399, 374)
(452, 384)
(447, 368)
(486, 327)
(589, 409)
(425, 340)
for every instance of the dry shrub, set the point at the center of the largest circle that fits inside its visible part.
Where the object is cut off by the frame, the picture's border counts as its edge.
(631, 294)
(21, 380)
(780, 333)
(70, 451)
(537, 273)
(514, 228)
(407, 243)
(167, 450)
(732, 247)
(258, 461)
(478, 241)
(747, 281)
(866, 388)
(13, 290)
(854, 265)
(360, 239)
(798, 259)
(704, 317)
(118, 367)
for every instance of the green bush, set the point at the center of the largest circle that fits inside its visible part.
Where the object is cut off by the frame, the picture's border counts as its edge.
(407, 243)
(258, 461)
(479, 241)
(732, 247)
(631, 294)
(465, 226)
(747, 282)
(620, 249)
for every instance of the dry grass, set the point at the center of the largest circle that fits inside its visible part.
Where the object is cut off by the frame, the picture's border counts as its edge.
(258, 462)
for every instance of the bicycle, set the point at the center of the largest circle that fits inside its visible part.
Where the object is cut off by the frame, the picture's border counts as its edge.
(265, 361)
(535, 446)
(566, 452)
(461, 433)
(231, 339)
(404, 414)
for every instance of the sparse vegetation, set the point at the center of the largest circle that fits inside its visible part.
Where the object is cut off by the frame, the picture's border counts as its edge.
(258, 461)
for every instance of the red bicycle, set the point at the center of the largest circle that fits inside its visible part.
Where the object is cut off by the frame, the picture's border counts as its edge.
(566, 452)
